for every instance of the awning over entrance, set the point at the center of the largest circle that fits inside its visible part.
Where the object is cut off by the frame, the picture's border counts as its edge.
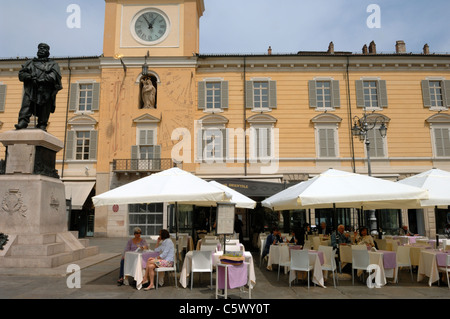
(78, 192)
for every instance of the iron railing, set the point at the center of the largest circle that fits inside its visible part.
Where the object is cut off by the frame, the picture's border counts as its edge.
(142, 165)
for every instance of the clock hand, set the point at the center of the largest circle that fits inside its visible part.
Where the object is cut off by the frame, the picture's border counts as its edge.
(150, 25)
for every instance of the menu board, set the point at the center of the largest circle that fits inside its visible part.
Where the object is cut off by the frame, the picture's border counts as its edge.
(225, 219)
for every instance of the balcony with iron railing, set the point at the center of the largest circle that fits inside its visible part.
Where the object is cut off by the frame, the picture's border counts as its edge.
(142, 165)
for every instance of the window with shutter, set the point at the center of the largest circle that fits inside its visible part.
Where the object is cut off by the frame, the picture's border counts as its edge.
(324, 94)
(2, 97)
(371, 94)
(442, 141)
(327, 144)
(84, 97)
(377, 143)
(213, 144)
(261, 95)
(213, 95)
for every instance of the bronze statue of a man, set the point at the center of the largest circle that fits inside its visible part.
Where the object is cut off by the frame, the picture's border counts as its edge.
(41, 79)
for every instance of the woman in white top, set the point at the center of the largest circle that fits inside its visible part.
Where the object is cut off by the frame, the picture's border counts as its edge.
(364, 238)
(165, 259)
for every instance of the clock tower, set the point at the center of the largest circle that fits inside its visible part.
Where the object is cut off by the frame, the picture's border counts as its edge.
(167, 28)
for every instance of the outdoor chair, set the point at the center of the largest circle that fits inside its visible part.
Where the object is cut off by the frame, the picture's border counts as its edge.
(261, 250)
(360, 260)
(316, 242)
(167, 269)
(201, 262)
(300, 262)
(283, 263)
(404, 259)
(329, 260)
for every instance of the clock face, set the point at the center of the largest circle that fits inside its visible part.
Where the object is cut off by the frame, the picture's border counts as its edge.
(150, 27)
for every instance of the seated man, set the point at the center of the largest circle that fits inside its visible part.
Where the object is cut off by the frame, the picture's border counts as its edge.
(339, 237)
(273, 238)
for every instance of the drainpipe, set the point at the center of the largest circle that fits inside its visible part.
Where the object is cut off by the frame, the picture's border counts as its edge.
(349, 106)
(245, 120)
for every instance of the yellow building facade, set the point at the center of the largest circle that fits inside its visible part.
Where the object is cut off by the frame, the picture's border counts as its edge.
(254, 122)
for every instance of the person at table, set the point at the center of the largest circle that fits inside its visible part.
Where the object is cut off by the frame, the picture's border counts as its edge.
(272, 239)
(339, 237)
(166, 251)
(132, 245)
(404, 231)
(363, 238)
(323, 230)
(298, 237)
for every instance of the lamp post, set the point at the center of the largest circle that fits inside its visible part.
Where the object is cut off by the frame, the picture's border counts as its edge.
(361, 127)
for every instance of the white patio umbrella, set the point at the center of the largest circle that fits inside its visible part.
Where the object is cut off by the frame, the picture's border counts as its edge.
(340, 189)
(437, 182)
(170, 186)
(239, 199)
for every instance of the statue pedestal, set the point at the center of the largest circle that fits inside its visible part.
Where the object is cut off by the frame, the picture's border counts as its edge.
(33, 204)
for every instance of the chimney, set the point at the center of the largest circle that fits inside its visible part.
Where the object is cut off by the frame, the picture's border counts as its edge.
(400, 47)
(269, 51)
(331, 48)
(364, 49)
(372, 48)
(426, 49)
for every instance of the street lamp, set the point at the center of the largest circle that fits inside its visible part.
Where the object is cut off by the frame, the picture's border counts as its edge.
(361, 126)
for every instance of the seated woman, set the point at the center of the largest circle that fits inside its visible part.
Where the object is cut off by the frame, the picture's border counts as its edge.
(364, 238)
(133, 244)
(165, 259)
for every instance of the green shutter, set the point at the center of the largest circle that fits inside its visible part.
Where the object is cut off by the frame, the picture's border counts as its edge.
(73, 100)
(224, 133)
(442, 139)
(70, 145)
(249, 95)
(134, 151)
(2, 97)
(335, 94)
(326, 143)
(93, 145)
(312, 93)
(446, 92)
(224, 95)
(95, 96)
(201, 95)
(426, 93)
(359, 93)
(273, 94)
(382, 93)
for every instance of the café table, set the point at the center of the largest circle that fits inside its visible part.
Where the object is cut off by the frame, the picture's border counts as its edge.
(385, 259)
(430, 260)
(134, 265)
(187, 264)
(414, 253)
(316, 259)
(231, 277)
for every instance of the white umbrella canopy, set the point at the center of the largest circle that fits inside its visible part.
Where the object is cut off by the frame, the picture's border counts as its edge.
(436, 181)
(170, 186)
(239, 199)
(340, 189)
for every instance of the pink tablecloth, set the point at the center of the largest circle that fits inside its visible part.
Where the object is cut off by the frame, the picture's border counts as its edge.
(389, 259)
(237, 276)
(145, 256)
(441, 258)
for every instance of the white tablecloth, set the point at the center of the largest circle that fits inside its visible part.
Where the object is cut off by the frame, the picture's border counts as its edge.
(317, 273)
(186, 269)
(428, 266)
(134, 267)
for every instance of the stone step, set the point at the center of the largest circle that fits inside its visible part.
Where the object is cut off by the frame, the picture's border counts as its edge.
(50, 261)
(37, 261)
(38, 250)
(39, 239)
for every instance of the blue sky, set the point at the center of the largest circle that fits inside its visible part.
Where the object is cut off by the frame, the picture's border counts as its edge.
(240, 26)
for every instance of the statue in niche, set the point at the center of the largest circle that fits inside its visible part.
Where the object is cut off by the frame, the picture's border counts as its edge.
(41, 79)
(148, 92)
